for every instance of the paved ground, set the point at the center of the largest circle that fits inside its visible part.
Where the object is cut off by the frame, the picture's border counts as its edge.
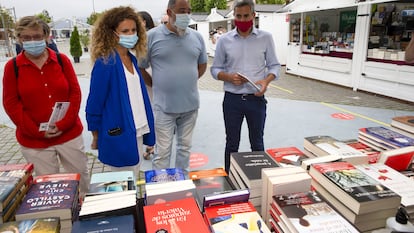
(288, 87)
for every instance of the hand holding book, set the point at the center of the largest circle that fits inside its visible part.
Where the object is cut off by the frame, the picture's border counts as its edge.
(257, 87)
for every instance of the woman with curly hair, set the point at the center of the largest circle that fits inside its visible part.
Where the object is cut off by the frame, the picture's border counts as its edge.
(118, 109)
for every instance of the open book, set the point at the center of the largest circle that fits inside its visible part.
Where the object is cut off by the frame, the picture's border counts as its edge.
(258, 88)
(59, 111)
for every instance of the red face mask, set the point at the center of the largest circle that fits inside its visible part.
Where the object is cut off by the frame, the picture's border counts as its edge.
(243, 26)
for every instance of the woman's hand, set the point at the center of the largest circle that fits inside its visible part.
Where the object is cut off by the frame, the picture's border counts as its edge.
(52, 132)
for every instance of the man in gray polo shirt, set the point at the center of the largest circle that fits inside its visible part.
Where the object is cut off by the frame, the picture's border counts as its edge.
(178, 58)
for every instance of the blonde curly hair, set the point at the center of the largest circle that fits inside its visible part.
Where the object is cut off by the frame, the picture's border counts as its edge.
(104, 40)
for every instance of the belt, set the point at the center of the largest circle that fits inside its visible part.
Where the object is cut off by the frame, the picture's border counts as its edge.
(247, 96)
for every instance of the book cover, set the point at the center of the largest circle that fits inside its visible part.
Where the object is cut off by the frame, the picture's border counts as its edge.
(161, 192)
(372, 153)
(10, 209)
(355, 189)
(211, 185)
(392, 179)
(121, 224)
(198, 174)
(226, 197)
(388, 136)
(50, 199)
(326, 145)
(175, 216)
(56, 177)
(257, 87)
(287, 156)
(364, 222)
(288, 183)
(405, 123)
(107, 182)
(323, 159)
(35, 225)
(305, 212)
(59, 111)
(238, 217)
(249, 166)
(310, 143)
(164, 175)
(399, 159)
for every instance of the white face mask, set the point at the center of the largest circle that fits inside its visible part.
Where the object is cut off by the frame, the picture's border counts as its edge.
(182, 20)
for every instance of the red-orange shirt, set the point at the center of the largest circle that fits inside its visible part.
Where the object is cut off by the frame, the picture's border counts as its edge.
(29, 98)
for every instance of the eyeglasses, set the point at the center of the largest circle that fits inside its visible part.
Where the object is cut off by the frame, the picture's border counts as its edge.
(165, 22)
(32, 37)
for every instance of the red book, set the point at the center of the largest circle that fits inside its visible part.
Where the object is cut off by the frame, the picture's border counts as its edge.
(373, 154)
(399, 159)
(181, 215)
(237, 217)
(57, 177)
(287, 155)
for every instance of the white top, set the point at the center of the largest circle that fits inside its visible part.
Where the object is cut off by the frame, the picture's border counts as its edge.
(137, 101)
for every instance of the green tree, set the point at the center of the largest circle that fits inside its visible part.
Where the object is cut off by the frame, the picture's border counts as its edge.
(45, 16)
(92, 18)
(280, 2)
(219, 4)
(75, 45)
(7, 19)
(197, 6)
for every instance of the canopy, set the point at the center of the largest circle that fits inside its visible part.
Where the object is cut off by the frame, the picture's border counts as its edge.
(299, 6)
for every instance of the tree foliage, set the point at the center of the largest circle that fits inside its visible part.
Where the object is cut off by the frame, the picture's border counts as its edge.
(7, 19)
(219, 4)
(281, 2)
(197, 5)
(75, 45)
(92, 18)
(45, 16)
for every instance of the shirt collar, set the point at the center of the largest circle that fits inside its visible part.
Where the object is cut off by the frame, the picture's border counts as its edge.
(234, 32)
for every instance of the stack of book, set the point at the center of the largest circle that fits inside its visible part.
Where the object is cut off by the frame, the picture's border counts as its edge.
(181, 215)
(233, 218)
(306, 212)
(323, 145)
(403, 125)
(110, 194)
(382, 138)
(246, 172)
(288, 156)
(15, 180)
(362, 200)
(281, 180)
(44, 225)
(161, 192)
(394, 180)
(54, 195)
(372, 153)
(208, 182)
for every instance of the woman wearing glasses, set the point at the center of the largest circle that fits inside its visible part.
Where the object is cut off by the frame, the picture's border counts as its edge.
(33, 83)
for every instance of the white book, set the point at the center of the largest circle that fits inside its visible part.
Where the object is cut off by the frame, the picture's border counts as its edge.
(59, 111)
(250, 81)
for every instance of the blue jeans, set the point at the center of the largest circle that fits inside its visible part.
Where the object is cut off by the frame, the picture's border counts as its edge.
(236, 107)
(166, 124)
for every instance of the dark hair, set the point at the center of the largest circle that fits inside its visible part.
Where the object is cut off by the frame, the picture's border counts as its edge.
(240, 3)
(149, 23)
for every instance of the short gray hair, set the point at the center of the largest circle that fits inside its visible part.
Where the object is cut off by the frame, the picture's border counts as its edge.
(240, 3)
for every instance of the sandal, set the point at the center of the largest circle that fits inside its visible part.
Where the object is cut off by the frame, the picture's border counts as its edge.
(148, 152)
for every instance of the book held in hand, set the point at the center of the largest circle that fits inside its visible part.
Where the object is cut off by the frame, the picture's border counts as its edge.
(59, 111)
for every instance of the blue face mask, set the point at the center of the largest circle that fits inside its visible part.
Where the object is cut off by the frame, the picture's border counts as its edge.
(182, 21)
(34, 47)
(128, 41)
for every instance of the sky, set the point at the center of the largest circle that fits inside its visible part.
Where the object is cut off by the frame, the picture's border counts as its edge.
(81, 8)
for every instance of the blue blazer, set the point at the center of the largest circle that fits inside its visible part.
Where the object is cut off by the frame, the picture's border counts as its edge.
(108, 111)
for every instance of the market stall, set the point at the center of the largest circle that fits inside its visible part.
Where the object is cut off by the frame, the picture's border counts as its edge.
(358, 44)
